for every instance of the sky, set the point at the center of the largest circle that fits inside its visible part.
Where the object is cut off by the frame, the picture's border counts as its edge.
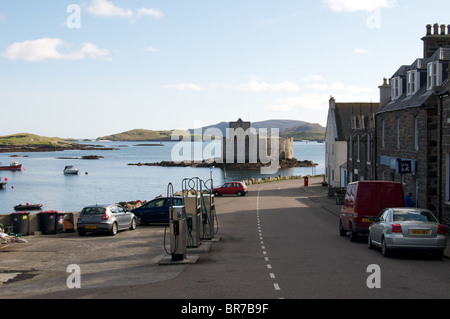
(85, 69)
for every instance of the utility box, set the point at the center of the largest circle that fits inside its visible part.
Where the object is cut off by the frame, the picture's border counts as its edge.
(178, 232)
(194, 221)
(306, 181)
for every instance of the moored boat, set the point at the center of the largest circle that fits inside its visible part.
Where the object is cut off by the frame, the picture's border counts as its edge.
(21, 207)
(14, 166)
(70, 170)
(3, 184)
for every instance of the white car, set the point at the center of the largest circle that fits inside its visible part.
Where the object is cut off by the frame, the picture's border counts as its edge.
(407, 228)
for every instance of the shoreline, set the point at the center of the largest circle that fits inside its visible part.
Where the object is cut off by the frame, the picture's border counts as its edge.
(50, 148)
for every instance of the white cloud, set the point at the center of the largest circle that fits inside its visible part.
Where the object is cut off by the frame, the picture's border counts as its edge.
(258, 86)
(155, 13)
(108, 9)
(49, 49)
(151, 49)
(358, 5)
(105, 8)
(184, 86)
(306, 101)
(313, 78)
(337, 86)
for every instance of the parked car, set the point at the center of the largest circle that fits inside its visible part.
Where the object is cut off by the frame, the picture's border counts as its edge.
(156, 210)
(231, 188)
(363, 201)
(105, 218)
(407, 228)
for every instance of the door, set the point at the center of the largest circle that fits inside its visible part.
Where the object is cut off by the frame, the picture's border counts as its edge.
(155, 211)
(376, 230)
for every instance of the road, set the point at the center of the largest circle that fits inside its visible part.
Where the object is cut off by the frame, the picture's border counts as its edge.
(276, 243)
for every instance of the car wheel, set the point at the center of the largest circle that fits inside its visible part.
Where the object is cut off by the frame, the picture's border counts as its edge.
(384, 250)
(113, 230)
(81, 233)
(438, 254)
(239, 193)
(217, 194)
(133, 224)
(369, 241)
(139, 221)
(342, 231)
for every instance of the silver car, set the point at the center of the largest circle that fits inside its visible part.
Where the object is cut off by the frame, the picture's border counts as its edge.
(105, 218)
(407, 228)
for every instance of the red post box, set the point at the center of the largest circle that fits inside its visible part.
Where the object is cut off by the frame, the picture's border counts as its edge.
(305, 181)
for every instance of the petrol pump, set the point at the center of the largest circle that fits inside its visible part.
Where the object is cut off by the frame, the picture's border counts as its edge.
(191, 197)
(178, 229)
(208, 209)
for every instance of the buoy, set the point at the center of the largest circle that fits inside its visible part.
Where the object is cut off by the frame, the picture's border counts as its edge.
(6, 179)
(86, 173)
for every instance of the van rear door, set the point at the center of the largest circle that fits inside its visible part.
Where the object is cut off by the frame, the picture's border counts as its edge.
(367, 204)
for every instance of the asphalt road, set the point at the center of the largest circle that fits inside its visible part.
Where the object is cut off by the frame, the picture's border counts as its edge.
(275, 243)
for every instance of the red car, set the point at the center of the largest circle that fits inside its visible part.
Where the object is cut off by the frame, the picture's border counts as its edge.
(231, 188)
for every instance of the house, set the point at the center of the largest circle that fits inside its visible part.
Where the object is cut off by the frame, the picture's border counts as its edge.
(408, 134)
(337, 135)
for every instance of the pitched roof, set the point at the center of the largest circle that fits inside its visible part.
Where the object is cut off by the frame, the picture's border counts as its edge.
(343, 113)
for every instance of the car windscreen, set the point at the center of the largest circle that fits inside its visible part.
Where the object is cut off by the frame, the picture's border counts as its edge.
(93, 211)
(415, 215)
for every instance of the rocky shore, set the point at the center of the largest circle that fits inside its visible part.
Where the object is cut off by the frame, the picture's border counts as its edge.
(48, 148)
(287, 163)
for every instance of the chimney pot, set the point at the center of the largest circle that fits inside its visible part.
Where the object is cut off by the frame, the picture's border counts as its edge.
(429, 29)
(448, 29)
(436, 29)
(442, 29)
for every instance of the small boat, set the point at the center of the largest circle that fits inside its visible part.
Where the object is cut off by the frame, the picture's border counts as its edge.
(70, 170)
(3, 184)
(14, 166)
(21, 207)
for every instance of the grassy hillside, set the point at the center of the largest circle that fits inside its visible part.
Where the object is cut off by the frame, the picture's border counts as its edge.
(32, 139)
(141, 135)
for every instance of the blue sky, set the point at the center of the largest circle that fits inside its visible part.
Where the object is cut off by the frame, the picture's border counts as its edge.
(91, 68)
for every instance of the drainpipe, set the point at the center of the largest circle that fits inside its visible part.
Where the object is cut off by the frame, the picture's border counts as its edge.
(441, 95)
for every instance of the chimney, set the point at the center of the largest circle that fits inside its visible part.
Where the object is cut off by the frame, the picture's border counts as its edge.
(437, 37)
(385, 93)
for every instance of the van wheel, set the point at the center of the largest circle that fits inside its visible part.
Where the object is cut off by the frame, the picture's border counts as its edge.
(353, 234)
(342, 231)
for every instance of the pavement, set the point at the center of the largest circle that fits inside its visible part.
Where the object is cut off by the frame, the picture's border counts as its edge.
(319, 194)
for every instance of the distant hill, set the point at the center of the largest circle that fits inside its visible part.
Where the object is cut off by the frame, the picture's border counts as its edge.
(300, 130)
(32, 139)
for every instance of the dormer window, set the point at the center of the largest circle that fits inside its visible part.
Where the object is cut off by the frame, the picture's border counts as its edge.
(434, 74)
(397, 87)
(412, 82)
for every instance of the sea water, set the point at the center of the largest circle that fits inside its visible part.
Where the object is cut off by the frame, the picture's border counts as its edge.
(111, 180)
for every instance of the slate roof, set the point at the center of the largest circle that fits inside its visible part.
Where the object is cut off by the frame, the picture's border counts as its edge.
(343, 115)
(423, 94)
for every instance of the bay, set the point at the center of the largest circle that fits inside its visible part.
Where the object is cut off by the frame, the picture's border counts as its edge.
(111, 180)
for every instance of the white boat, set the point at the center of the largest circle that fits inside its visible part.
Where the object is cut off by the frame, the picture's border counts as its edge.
(70, 170)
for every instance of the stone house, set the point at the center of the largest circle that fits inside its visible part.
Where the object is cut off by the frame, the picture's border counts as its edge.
(408, 123)
(340, 123)
(361, 161)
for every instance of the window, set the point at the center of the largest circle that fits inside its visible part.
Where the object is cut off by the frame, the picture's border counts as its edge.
(434, 74)
(412, 82)
(416, 133)
(397, 87)
(358, 149)
(350, 149)
(398, 133)
(368, 149)
(383, 142)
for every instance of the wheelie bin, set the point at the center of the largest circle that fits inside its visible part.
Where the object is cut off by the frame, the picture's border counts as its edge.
(21, 222)
(52, 222)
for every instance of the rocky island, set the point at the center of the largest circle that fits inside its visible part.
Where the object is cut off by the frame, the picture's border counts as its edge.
(285, 163)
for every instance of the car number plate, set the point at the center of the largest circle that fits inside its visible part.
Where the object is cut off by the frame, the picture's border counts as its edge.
(366, 220)
(419, 231)
(91, 227)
